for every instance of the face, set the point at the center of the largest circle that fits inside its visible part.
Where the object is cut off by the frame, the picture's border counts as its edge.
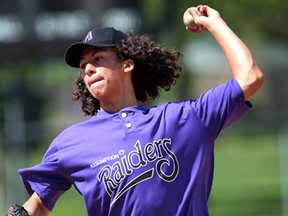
(102, 72)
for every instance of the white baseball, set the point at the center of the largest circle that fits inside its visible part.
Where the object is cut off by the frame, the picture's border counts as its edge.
(188, 20)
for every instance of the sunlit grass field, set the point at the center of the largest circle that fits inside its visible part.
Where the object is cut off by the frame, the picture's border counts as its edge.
(247, 179)
(247, 176)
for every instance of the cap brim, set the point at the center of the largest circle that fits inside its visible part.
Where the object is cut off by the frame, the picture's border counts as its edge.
(73, 53)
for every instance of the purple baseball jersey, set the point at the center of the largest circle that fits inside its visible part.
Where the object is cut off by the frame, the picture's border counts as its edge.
(140, 161)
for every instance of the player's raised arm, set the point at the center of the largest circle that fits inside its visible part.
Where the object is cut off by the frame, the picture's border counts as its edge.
(243, 66)
(32, 207)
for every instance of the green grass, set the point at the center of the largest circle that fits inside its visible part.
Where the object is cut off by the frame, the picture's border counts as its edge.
(247, 176)
(71, 203)
(246, 182)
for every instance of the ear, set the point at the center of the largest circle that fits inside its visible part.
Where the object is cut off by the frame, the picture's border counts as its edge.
(128, 65)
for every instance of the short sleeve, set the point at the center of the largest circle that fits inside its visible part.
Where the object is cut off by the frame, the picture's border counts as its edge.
(47, 179)
(221, 106)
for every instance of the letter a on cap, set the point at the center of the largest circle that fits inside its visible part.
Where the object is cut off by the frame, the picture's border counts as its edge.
(88, 37)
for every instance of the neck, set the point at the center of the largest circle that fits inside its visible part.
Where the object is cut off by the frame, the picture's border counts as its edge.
(113, 108)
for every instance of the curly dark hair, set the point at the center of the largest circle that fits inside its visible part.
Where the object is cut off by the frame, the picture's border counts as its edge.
(155, 68)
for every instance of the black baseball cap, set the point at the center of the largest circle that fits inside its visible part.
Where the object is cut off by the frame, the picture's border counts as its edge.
(98, 37)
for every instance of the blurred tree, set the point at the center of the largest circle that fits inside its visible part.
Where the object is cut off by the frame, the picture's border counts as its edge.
(252, 18)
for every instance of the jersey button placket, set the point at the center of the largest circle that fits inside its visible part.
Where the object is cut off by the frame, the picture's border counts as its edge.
(128, 124)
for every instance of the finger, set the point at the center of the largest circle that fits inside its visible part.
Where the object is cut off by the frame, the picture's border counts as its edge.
(203, 10)
(194, 30)
(194, 12)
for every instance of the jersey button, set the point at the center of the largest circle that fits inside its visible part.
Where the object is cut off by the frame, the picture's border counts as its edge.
(124, 115)
(128, 125)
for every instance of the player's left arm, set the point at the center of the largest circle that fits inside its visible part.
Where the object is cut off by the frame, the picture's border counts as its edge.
(243, 66)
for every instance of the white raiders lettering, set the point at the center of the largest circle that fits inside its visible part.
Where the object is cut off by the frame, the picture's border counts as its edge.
(112, 175)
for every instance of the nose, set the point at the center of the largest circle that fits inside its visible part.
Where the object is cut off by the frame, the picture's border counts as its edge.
(90, 69)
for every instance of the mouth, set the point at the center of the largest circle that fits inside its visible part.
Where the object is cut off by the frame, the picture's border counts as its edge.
(95, 80)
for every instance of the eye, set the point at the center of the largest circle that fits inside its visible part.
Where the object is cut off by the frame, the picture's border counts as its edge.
(98, 58)
(83, 66)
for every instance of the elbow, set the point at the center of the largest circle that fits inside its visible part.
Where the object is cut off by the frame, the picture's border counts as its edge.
(258, 79)
(261, 79)
(253, 81)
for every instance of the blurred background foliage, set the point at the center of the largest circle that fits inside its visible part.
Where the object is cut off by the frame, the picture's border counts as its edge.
(251, 173)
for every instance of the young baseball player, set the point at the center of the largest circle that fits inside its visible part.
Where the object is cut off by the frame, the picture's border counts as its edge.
(128, 159)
